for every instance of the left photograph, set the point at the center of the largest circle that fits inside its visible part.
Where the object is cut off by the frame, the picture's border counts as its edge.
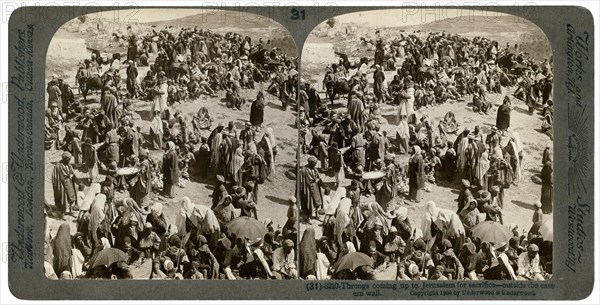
(171, 142)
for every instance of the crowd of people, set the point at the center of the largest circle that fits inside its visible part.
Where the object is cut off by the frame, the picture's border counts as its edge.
(117, 207)
(473, 241)
(113, 190)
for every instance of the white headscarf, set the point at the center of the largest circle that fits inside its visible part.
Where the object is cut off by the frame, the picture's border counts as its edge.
(339, 194)
(170, 146)
(156, 208)
(105, 243)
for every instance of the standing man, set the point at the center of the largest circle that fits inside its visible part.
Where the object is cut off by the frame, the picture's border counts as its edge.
(143, 183)
(311, 197)
(378, 79)
(54, 94)
(110, 105)
(132, 74)
(66, 96)
(387, 187)
(63, 186)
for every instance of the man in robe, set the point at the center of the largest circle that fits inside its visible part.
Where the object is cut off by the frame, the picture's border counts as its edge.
(387, 188)
(67, 96)
(63, 185)
(378, 79)
(110, 106)
(112, 145)
(257, 110)
(311, 197)
(54, 93)
(143, 183)
(131, 142)
(356, 109)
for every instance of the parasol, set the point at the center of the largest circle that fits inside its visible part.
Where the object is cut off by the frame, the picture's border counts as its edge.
(274, 63)
(458, 70)
(491, 231)
(247, 227)
(521, 66)
(211, 66)
(352, 261)
(107, 257)
(374, 175)
(127, 171)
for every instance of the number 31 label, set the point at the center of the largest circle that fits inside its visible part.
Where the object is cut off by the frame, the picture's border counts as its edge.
(297, 14)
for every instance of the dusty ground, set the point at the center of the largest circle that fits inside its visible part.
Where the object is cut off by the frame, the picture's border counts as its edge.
(273, 195)
(519, 202)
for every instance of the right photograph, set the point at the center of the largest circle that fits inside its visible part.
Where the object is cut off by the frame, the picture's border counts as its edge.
(426, 147)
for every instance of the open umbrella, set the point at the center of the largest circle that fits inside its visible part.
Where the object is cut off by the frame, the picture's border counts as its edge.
(491, 231)
(458, 70)
(273, 62)
(520, 66)
(352, 261)
(211, 66)
(107, 257)
(547, 230)
(246, 227)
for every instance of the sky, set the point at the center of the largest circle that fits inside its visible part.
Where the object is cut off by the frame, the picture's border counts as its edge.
(146, 14)
(409, 16)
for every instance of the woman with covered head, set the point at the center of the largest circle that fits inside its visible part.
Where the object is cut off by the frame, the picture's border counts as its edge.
(515, 149)
(62, 249)
(265, 150)
(308, 253)
(157, 219)
(547, 186)
(503, 116)
(342, 221)
(481, 172)
(130, 222)
(198, 216)
(257, 110)
(170, 169)
(273, 141)
(445, 221)
(416, 175)
(97, 220)
(402, 135)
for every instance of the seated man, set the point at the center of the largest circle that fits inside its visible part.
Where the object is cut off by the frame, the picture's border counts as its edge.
(528, 265)
(284, 261)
